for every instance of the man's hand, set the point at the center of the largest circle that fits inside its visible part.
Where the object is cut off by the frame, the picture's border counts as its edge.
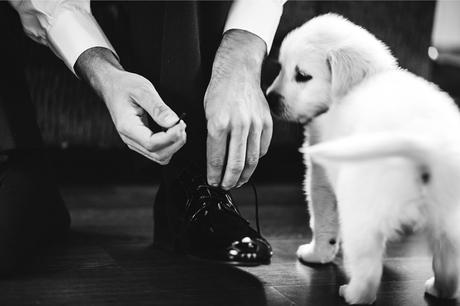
(130, 98)
(238, 116)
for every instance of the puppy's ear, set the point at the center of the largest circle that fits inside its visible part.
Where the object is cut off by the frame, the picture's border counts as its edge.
(348, 67)
(274, 86)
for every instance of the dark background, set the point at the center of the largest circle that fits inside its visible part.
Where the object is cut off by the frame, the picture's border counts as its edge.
(77, 128)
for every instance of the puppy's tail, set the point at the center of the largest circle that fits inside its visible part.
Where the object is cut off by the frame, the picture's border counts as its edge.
(438, 166)
(373, 146)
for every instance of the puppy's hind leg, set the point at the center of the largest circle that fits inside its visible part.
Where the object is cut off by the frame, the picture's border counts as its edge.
(363, 238)
(322, 206)
(445, 245)
(363, 251)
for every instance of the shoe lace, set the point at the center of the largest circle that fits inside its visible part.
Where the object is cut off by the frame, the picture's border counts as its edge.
(205, 190)
(256, 202)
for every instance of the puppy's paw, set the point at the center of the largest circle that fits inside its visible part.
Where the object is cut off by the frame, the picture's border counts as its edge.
(317, 253)
(354, 295)
(431, 289)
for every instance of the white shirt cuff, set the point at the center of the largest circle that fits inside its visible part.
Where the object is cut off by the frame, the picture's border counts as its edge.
(73, 32)
(260, 17)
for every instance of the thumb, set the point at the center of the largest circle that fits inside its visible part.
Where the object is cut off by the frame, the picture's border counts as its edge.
(161, 113)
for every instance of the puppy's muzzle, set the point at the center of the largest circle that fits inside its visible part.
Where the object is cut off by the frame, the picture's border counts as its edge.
(276, 103)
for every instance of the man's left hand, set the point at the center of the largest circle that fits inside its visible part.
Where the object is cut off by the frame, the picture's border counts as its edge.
(238, 117)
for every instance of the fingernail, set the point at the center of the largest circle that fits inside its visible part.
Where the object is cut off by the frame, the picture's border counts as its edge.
(212, 183)
(171, 119)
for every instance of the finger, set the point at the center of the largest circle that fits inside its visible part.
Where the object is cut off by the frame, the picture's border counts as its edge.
(236, 158)
(216, 146)
(152, 103)
(169, 151)
(161, 157)
(136, 148)
(148, 140)
(266, 137)
(252, 156)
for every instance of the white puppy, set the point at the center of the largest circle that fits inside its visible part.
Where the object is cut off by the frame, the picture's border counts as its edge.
(389, 145)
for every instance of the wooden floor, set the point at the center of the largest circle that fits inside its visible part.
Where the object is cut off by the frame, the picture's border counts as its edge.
(109, 260)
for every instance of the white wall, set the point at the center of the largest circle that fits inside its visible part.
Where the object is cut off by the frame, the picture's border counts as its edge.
(446, 28)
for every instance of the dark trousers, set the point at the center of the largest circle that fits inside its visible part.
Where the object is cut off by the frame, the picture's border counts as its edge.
(192, 32)
(32, 212)
(18, 127)
(186, 37)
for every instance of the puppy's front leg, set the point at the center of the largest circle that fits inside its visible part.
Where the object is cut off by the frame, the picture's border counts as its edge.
(322, 206)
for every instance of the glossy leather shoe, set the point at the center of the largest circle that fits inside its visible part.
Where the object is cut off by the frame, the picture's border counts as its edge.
(215, 229)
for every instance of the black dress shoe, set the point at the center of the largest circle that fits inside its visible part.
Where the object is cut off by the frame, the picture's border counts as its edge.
(215, 230)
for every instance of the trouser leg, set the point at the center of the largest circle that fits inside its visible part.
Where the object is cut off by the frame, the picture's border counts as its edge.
(18, 127)
(191, 35)
(32, 212)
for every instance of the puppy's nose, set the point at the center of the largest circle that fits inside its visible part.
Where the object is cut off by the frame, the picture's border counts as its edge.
(275, 101)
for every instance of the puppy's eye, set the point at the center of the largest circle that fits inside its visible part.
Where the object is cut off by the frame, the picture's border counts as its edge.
(301, 77)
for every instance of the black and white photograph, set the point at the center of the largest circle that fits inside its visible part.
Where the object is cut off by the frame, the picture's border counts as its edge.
(245, 152)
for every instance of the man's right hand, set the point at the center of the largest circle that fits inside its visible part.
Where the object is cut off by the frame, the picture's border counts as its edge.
(130, 98)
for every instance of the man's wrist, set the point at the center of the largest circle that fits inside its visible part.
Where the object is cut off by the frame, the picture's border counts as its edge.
(95, 66)
(243, 47)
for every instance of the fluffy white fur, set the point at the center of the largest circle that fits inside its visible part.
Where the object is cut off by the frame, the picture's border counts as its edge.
(387, 150)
